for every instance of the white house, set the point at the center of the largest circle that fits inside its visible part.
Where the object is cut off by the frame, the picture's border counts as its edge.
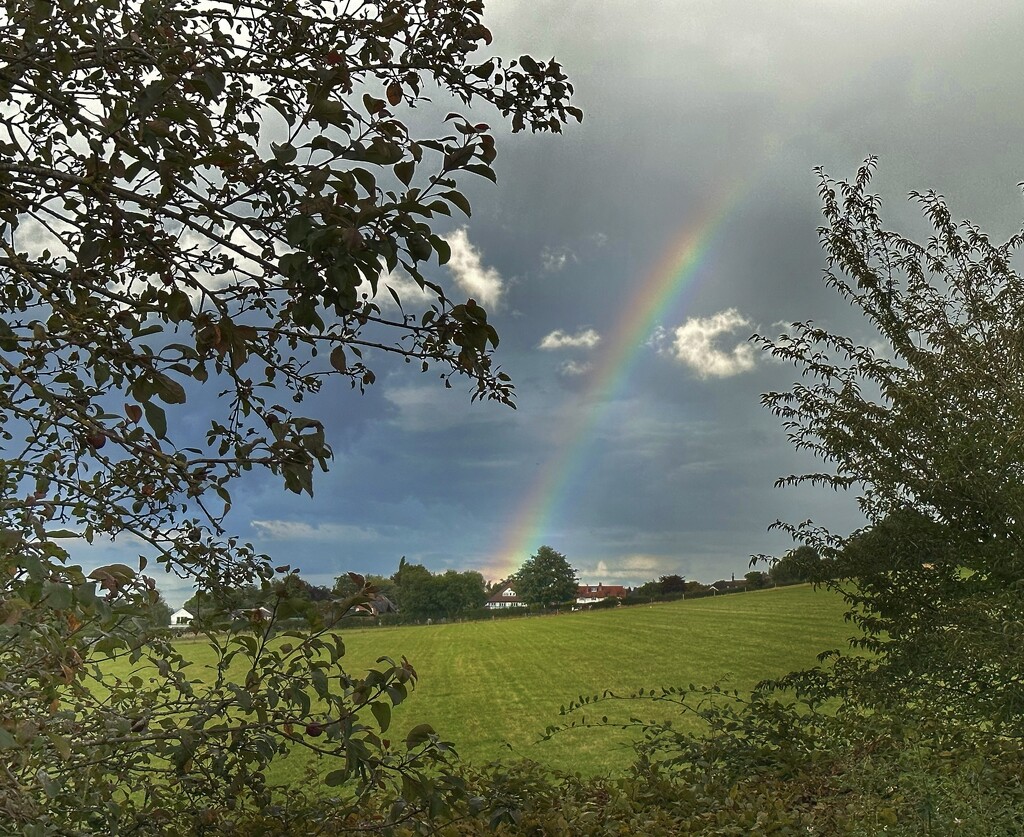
(181, 618)
(253, 614)
(504, 596)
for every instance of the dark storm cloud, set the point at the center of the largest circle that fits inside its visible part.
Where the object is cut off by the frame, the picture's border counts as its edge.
(683, 101)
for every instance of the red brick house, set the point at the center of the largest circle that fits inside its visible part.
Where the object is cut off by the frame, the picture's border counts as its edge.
(591, 593)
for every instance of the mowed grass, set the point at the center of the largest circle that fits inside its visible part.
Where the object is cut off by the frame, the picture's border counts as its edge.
(492, 687)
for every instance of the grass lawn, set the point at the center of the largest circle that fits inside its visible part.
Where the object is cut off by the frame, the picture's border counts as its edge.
(492, 687)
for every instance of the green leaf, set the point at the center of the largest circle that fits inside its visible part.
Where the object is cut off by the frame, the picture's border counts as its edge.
(58, 596)
(284, 153)
(157, 419)
(215, 81)
(418, 735)
(382, 712)
(322, 143)
(483, 171)
(483, 70)
(179, 306)
(65, 61)
(88, 250)
(8, 339)
(459, 200)
(442, 248)
(168, 390)
(366, 179)
(405, 170)
(338, 358)
(297, 229)
(320, 682)
(335, 778)
(133, 170)
(529, 64)
(282, 107)
(152, 94)
(61, 745)
(328, 112)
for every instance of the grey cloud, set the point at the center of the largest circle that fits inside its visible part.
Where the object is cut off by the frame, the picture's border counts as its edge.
(299, 530)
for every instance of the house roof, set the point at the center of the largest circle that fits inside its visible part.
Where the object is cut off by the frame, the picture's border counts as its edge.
(499, 594)
(259, 612)
(601, 591)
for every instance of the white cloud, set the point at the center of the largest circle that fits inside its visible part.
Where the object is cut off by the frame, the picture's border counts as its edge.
(695, 344)
(483, 283)
(281, 530)
(572, 367)
(466, 267)
(657, 339)
(413, 297)
(630, 570)
(558, 339)
(553, 259)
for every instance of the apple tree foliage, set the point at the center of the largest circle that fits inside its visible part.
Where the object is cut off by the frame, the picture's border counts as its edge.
(920, 414)
(201, 203)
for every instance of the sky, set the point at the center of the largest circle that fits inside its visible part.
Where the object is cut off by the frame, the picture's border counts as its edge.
(625, 264)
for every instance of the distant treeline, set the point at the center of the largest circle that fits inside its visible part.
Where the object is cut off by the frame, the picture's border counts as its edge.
(415, 595)
(411, 594)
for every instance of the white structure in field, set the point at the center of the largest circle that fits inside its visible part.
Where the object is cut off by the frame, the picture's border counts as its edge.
(181, 618)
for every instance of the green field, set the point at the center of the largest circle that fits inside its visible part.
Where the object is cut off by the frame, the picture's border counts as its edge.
(491, 687)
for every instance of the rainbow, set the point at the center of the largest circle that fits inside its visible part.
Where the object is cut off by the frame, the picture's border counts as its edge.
(663, 289)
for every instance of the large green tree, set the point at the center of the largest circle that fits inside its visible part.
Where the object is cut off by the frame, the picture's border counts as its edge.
(201, 204)
(460, 593)
(672, 584)
(421, 594)
(800, 564)
(546, 578)
(922, 417)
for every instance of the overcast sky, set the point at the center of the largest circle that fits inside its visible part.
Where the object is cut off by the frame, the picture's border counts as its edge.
(626, 263)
